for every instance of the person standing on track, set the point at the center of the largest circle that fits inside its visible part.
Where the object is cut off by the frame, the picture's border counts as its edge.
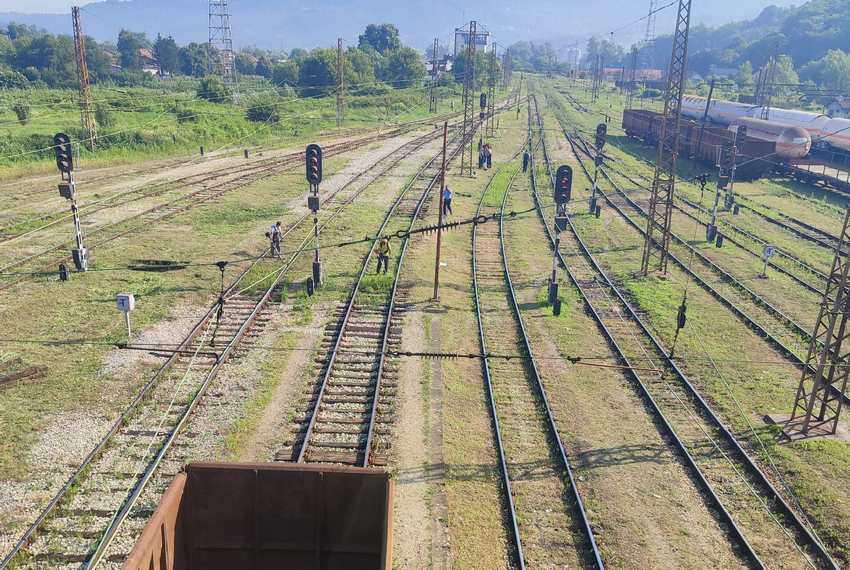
(275, 235)
(447, 201)
(383, 254)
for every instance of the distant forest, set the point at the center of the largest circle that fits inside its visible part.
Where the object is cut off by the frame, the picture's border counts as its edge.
(812, 42)
(30, 57)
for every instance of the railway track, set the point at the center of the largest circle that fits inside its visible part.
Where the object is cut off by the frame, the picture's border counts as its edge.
(774, 216)
(348, 409)
(745, 308)
(548, 524)
(736, 235)
(767, 531)
(210, 191)
(80, 522)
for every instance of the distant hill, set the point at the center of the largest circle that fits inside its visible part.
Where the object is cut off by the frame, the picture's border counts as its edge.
(805, 33)
(287, 23)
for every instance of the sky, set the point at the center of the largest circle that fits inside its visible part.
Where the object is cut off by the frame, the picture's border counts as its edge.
(38, 6)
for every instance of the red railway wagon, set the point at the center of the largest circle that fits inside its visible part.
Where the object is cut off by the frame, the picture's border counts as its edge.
(217, 516)
(755, 157)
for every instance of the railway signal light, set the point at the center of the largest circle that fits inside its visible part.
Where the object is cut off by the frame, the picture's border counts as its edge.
(483, 101)
(64, 153)
(314, 163)
(601, 135)
(563, 184)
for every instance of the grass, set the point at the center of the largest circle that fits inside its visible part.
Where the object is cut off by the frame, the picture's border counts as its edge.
(151, 122)
(728, 363)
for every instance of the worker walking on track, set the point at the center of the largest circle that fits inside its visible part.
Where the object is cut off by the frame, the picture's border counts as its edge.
(274, 236)
(383, 254)
(447, 201)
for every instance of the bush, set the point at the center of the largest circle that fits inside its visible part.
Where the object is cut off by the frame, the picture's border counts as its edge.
(213, 89)
(103, 116)
(22, 111)
(11, 79)
(651, 94)
(264, 110)
(185, 114)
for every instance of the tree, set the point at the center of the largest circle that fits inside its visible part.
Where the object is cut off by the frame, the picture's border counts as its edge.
(404, 67)
(382, 38)
(482, 67)
(194, 59)
(263, 67)
(744, 78)
(264, 109)
(317, 74)
(129, 44)
(612, 54)
(361, 67)
(22, 111)
(785, 76)
(167, 53)
(285, 73)
(246, 63)
(831, 71)
(213, 89)
(298, 54)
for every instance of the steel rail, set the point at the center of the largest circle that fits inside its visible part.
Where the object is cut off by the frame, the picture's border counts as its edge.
(349, 308)
(739, 231)
(133, 405)
(401, 153)
(757, 299)
(539, 388)
(644, 391)
(485, 366)
(788, 513)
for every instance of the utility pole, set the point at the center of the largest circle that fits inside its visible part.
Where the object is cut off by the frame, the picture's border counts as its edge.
(632, 78)
(767, 88)
(664, 180)
(340, 83)
(823, 384)
(432, 99)
(68, 190)
(86, 107)
(705, 113)
(490, 126)
(440, 218)
(468, 100)
(221, 39)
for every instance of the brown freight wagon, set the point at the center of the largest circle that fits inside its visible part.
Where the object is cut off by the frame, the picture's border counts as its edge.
(218, 516)
(646, 125)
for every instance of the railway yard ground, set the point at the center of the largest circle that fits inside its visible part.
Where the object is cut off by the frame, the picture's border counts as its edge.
(515, 437)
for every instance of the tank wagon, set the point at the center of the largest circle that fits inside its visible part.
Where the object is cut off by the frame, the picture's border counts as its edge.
(824, 131)
(791, 142)
(646, 125)
(218, 516)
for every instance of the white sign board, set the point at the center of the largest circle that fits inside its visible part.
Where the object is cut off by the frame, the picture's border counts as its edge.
(126, 302)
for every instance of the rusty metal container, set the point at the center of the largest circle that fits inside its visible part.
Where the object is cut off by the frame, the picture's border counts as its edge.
(755, 157)
(218, 516)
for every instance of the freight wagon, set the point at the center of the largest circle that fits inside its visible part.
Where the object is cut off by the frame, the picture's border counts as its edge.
(754, 159)
(218, 516)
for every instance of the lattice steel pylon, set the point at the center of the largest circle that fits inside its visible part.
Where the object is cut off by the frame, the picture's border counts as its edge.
(664, 180)
(86, 107)
(432, 97)
(468, 101)
(490, 126)
(221, 39)
(766, 90)
(823, 384)
(632, 78)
